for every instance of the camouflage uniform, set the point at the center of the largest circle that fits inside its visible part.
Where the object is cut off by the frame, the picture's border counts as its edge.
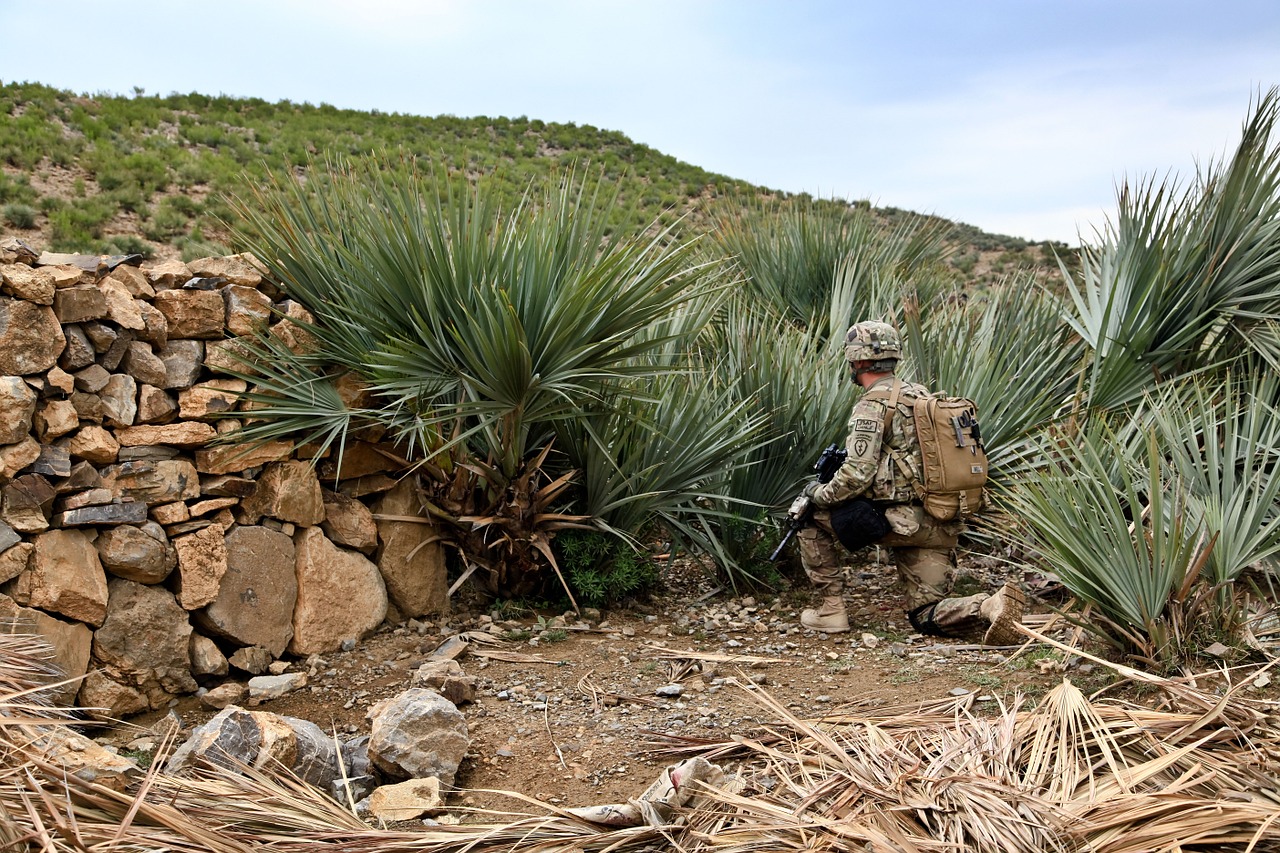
(922, 545)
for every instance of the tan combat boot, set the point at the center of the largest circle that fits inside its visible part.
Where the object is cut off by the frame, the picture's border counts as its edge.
(1004, 612)
(829, 617)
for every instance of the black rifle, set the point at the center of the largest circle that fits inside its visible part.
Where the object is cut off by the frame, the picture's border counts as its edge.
(829, 462)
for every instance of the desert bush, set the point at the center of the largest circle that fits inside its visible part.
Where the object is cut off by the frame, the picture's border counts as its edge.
(20, 215)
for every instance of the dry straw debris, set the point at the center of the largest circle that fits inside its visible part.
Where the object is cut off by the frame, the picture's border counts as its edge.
(1191, 770)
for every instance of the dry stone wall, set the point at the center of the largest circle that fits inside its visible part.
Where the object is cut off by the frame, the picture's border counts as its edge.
(154, 558)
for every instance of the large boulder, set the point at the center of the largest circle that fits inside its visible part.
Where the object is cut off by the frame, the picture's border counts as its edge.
(340, 595)
(288, 491)
(145, 641)
(17, 406)
(142, 554)
(64, 576)
(194, 314)
(417, 734)
(255, 601)
(258, 738)
(153, 481)
(410, 559)
(31, 338)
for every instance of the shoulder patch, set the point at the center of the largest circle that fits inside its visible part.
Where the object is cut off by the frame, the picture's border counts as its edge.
(865, 425)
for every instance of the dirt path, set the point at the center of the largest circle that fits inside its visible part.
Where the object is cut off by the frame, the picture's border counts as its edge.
(577, 718)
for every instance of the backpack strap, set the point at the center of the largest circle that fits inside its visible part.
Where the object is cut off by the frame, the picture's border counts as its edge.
(899, 458)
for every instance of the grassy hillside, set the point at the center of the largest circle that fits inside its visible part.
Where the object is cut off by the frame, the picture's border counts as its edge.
(149, 174)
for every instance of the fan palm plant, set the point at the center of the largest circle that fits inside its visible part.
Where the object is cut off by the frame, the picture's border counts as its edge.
(1224, 441)
(1124, 534)
(476, 332)
(791, 252)
(1181, 280)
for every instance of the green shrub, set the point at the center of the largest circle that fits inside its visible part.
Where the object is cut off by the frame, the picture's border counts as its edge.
(602, 569)
(17, 189)
(20, 215)
(165, 221)
(129, 244)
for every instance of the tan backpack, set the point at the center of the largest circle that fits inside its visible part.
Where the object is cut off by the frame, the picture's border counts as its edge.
(955, 462)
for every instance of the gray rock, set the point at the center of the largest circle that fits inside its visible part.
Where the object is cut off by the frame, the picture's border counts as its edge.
(416, 734)
(106, 515)
(251, 659)
(352, 789)
(8, 537)
(232, 736)
(263, 688)
(135, 554)
(183, 362)
(79, 351)
(317, 754)
(143, 364)
(52, 462)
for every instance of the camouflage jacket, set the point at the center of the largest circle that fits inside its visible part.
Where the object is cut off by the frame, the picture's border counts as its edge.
(869, 471)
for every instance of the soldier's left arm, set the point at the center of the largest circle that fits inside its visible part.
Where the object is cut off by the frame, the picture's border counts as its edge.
(866, 434)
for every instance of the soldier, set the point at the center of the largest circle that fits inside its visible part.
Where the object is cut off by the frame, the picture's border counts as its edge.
(848, 509)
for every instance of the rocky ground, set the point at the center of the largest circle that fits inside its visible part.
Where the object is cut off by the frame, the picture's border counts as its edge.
(574, 710)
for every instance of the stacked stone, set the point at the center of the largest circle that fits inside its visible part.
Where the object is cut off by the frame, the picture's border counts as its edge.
(154, 558)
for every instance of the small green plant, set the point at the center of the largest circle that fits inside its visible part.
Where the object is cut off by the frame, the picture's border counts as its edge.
(905, 675)
(983, 678)
(20, 215)
(140, 757)
(517, 635)
(602, 569)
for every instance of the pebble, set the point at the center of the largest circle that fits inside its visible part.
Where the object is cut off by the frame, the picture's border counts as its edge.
(670, 690)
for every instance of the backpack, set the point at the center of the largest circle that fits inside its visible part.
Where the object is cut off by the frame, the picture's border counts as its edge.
(954, 469)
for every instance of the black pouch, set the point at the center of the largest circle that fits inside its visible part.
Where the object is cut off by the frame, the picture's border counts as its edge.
(859, 523)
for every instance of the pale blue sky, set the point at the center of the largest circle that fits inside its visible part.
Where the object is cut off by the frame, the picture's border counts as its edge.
(1017, 116)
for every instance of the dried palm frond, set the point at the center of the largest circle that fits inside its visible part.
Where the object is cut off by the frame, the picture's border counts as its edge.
(1069, 774)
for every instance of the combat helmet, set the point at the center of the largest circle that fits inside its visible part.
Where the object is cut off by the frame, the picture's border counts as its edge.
(872, 341)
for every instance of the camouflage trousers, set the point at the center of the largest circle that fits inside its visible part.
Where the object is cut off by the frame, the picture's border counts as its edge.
(922, 549)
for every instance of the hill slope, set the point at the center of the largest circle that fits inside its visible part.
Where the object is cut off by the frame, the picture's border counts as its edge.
(150, 174)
